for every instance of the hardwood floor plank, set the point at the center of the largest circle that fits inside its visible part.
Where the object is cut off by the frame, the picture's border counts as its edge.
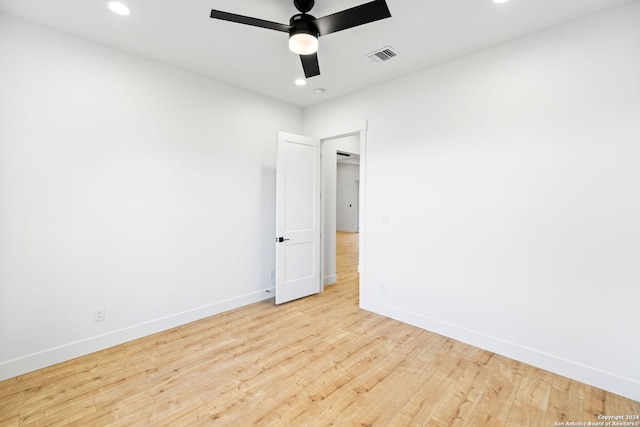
(10, 419)
(564, 407)
(317, 361)
(534, 391)
(524, 414)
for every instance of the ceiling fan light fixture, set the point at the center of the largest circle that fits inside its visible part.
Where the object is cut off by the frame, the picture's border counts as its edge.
(303, 43)
(304, 29)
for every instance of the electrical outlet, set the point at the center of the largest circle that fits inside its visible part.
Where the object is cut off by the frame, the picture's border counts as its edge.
(272, 274)
(99, 314)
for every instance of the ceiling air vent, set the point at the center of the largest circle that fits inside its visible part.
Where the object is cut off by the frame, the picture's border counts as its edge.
(382, 55)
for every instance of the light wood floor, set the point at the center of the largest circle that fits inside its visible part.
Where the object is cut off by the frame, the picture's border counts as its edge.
(314, 362)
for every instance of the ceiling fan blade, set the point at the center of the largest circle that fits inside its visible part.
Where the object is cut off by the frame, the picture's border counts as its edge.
(310, 65)
(363, 14)
(241, 19)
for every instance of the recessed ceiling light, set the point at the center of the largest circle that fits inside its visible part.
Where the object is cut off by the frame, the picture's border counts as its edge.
(300, 82)
(117, 7)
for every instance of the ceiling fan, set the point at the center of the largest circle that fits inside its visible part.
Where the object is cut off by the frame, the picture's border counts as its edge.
(305, 29)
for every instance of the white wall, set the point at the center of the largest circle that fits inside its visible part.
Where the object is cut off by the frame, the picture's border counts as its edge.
(349, 144)
(347, 197)
(509, 180)
(128, 185)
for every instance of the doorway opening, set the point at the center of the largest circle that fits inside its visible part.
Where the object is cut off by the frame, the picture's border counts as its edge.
(342, 207)
(347, 192)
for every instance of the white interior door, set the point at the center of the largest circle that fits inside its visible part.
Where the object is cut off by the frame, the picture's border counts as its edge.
(297, 217)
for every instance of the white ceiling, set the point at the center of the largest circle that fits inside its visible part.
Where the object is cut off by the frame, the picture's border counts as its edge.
(422, 32)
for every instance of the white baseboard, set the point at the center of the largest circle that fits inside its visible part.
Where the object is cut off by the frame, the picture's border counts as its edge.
(330, 279)
(52, 356)
(608, 381)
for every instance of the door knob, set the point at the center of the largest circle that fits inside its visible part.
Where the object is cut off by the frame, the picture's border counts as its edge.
(281, 239)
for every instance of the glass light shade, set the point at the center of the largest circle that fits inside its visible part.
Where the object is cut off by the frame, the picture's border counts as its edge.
(303, 44)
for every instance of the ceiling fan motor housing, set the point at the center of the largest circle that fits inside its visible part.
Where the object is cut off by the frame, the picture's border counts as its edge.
(303, 23)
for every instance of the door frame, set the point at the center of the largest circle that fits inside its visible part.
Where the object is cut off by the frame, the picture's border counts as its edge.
(359, 129)
(358, 205)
